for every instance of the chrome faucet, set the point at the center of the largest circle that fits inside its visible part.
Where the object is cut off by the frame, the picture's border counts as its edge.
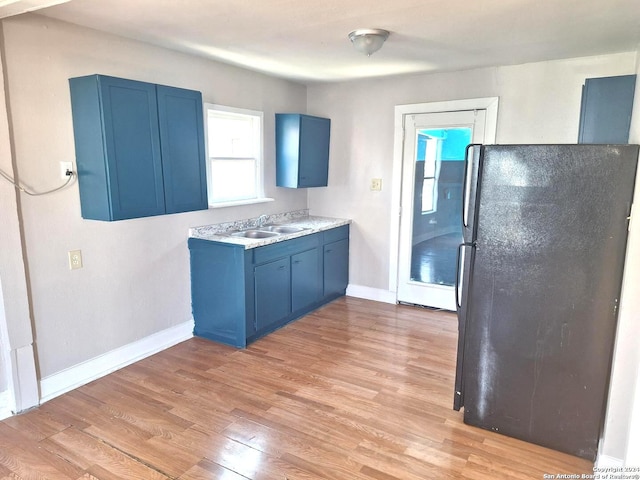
(261, 219)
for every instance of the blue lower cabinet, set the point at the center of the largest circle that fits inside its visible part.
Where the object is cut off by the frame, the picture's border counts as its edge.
(306, 279)
(240, 295)
(218, 292)
(336, 268)
(272, 293)
(336, 262)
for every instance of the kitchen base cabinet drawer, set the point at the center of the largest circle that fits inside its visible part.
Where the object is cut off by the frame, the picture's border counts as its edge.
(336, 234)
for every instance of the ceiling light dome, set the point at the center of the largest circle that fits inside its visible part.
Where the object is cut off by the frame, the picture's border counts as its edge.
(368, 40)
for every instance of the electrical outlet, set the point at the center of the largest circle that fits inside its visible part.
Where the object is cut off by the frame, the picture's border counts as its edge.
(64, 168)
(75, 259)
(376, 184)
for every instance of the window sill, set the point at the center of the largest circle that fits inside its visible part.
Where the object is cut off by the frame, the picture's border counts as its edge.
(237, 203)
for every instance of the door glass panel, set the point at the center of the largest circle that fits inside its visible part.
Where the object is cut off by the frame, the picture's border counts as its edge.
(437, 222)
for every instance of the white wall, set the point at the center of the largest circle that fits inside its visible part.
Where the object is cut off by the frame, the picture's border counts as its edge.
(15, 326)
(539, 103)
(622, 430)
(135, 280)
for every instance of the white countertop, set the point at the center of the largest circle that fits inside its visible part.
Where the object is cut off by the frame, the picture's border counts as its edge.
(221, 232)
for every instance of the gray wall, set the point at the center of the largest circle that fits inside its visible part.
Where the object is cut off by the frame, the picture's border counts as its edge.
(622, 429)
(539, 103)
(4, 368)
(135, 280)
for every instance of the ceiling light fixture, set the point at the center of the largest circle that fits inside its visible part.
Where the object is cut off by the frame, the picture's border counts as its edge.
(368, 40)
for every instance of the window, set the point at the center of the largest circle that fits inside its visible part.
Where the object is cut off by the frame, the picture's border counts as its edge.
(234, 156)
(428, 148)
(440, 149)
(429, 197)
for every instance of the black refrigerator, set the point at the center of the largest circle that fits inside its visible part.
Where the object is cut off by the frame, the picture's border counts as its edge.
(538, 288)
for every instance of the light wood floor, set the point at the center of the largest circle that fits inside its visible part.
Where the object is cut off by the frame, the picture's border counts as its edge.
(357, 391)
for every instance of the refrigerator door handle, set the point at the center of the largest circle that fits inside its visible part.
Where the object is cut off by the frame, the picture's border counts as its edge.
(462, 280)
(459, 275)
(472, 162)
(468, 154)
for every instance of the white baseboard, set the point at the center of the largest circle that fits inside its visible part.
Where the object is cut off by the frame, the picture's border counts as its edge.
(369, 293)
(5, 409)
(25, 379)
(605, 461)
(85, 372)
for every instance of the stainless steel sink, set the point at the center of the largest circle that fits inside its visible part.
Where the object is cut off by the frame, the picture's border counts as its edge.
(283, 229)
(255, 234)
(267, 231)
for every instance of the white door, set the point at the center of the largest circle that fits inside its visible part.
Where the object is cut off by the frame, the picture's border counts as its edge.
(431, 203)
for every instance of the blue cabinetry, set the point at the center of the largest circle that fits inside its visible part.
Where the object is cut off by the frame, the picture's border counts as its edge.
(240, 295)
(182, 147)
(139, 148)
(336, 270)
(272, 292)
(306, 277)
(605, 112)
(302, 150)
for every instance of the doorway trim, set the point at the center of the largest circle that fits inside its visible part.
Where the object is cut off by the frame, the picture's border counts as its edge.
(490, 104)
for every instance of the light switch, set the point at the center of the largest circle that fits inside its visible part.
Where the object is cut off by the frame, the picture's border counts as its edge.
(376, 184)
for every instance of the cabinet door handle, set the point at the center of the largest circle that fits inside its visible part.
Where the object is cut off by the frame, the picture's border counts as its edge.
(295, 262)
(328, 250)
(282, 267)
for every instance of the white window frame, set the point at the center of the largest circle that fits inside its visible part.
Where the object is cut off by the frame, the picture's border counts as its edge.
(431, 156)
(260, 195)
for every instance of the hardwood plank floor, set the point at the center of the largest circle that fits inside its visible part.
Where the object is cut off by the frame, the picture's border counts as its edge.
(358, 390)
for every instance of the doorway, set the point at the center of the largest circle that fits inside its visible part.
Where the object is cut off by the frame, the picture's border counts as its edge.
(430, 157)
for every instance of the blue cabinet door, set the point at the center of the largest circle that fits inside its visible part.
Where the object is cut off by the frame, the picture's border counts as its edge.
(218, 294)
(336, 268)
(182, 147)
(132, 145)
(302, 150)
(306, 286)
(272, 290)
(314, 151)
(117, 142)
(139, 148)
(605, 112)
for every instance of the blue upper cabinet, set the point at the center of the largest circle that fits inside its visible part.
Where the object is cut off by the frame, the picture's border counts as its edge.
(302, 150)
(182, 146)
(605, 113)
(139, 148)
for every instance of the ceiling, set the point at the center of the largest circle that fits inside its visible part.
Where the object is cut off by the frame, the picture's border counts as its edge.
(306, 40)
